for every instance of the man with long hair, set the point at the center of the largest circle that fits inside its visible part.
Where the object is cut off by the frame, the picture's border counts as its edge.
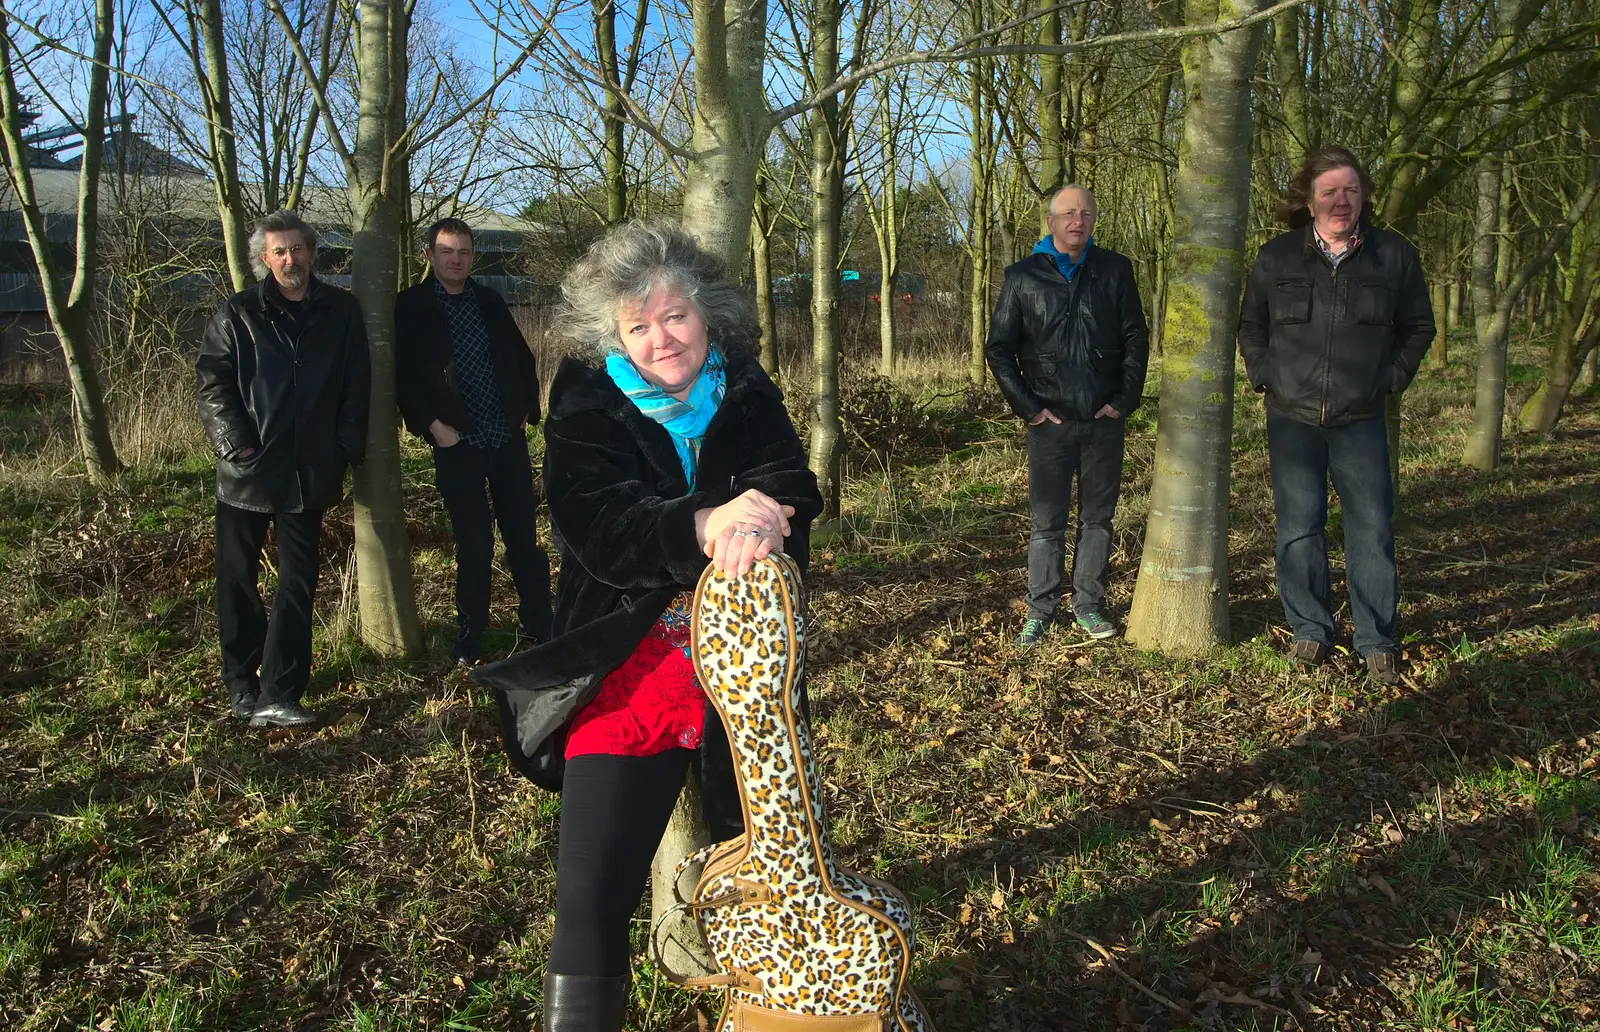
(1336, 318)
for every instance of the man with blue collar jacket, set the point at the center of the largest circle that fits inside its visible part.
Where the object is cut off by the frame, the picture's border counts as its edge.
(1068, 346)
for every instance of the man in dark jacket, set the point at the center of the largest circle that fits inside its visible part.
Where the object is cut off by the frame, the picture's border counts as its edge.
(1336, 318)
(283, 382)
(1068, 346)
(466, 384)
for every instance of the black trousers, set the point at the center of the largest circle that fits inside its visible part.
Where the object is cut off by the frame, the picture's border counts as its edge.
(613, 812)
(1091, 449)
(267, 658)
(462, 472)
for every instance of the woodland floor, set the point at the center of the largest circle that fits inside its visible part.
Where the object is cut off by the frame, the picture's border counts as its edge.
(1094, 837)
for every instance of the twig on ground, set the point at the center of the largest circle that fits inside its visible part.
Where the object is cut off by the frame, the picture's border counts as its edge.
(1116, 969)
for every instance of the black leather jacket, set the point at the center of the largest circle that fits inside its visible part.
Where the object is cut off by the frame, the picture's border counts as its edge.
(1069, 347)
(294, 390)
(1327, 345)
(425, 384)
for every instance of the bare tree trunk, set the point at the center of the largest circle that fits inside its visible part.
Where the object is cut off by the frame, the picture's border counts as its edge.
(1180, 603)
(1439, 352)
(616, 174)
(729, 134)
(827, 188)
(1051, 167)
(1543, 410)
(224, 148)
(1570, 337)
(1290, 73)
(377, 190)
(979, 233)
(69, 310)
(731, 123)
(884, 217)
(1488, 410)
(761, 255)
(1494, 326)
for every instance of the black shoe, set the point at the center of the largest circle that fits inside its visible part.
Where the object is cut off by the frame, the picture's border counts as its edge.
(584, 1003)
(283, 714)
(244, 705)
(527, 639)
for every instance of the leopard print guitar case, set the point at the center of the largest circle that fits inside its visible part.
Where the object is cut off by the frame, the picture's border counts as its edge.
(802, 944)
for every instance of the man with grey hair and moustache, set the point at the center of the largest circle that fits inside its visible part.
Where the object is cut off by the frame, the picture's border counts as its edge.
(1068, 346)
(283, 382)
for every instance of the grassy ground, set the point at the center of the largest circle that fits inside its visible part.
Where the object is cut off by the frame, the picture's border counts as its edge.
(1095, 837)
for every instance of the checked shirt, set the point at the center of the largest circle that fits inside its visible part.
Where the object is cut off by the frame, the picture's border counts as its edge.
(475, 372)
(1327, 251)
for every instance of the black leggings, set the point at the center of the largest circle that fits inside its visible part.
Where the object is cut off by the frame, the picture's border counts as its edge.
(613, 812)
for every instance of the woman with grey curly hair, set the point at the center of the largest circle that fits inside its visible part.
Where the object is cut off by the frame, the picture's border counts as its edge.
(627, 264)
(672, 452)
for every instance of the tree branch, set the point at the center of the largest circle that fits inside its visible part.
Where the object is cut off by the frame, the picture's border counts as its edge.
(316, 86)
(958, 53)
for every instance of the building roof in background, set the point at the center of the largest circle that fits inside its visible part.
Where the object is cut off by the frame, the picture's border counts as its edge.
(184, 196)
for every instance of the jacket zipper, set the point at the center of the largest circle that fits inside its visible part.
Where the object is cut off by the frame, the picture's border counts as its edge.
(1327, 347)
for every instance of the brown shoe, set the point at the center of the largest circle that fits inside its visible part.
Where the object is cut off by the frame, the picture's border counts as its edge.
(1383, 667)
(1307, 653)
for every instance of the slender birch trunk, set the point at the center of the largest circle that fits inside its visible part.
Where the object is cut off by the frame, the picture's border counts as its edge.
(69, 308)
(979, 233)
(616, 171)
(1051, 167)
(730, 126)
(728, 136)
(1180, 603)
(1290, 72)
(761, 259)
(1439, 351)
(377, 190)
(224, 156)
(827, 189)
(1488, 414)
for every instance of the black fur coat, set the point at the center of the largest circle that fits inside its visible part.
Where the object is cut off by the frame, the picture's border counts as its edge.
(625, 519)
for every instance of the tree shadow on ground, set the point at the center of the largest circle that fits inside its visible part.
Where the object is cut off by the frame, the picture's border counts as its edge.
(1277, 888)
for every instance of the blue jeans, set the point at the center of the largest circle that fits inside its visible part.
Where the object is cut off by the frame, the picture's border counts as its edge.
(1356, 457)
(1091, 449)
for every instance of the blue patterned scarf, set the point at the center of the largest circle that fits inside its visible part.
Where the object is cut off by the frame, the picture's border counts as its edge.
(685, 420)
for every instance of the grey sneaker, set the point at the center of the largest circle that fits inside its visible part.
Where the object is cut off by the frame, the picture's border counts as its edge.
(1095, 625)
(1383, 667)
(1307, 653)
(1032, 631)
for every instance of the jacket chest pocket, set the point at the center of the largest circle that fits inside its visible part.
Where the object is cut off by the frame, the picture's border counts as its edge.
(1291, 301)
(1038, 368)
(1374, 303)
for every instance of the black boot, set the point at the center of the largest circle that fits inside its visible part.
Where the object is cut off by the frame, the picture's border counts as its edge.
(584, 1003)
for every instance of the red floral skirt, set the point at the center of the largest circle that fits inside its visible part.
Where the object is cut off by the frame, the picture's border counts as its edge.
(649, 704)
